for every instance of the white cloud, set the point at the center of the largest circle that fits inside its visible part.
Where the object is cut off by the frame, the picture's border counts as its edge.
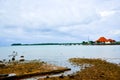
(54, 13)
(58, 20)
(114, 32)
(107, 13)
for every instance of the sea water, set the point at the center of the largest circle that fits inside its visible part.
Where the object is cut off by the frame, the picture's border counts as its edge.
(60, 54)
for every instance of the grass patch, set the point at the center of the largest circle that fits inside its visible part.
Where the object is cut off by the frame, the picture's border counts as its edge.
(97, 70)
(30, 68)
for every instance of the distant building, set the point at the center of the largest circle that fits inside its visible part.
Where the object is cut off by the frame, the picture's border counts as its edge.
(110, 41)
(105, 40)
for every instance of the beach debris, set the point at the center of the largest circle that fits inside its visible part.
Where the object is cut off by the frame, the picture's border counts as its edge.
(71, 76)
(2, 65)
(13, 55)
(62, 76)
(11, 74)
(47, 76)
(22, 58)
(1, 61)
(3, 75)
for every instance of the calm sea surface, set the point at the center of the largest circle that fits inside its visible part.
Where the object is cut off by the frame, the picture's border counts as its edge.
(59, 55)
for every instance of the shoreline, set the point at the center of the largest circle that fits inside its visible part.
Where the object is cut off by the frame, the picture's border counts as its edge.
(17, 77)
(91, 69)
(18, 70)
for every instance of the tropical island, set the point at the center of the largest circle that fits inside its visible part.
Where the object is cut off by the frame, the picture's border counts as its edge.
(100, 41)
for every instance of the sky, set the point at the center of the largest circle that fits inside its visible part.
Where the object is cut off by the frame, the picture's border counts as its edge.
(42, 21)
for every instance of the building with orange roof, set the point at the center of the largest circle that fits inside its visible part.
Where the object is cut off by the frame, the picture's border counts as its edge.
(105, 40)
(102, 39)
(111, 40)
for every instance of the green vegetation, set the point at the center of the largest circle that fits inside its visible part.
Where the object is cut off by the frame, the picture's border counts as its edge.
(82, 43)
(97, 70)
(19, 44)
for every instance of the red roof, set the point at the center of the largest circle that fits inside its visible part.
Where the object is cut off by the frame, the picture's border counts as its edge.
(111, 40)
(102, 39)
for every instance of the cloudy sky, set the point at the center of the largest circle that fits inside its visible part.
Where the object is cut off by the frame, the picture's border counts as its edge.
(37, 21)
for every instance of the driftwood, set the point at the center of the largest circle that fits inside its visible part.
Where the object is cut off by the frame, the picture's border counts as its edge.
(17, 77)
(3, 75)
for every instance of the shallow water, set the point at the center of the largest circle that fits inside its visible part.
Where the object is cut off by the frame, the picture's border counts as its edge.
(59, 55)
